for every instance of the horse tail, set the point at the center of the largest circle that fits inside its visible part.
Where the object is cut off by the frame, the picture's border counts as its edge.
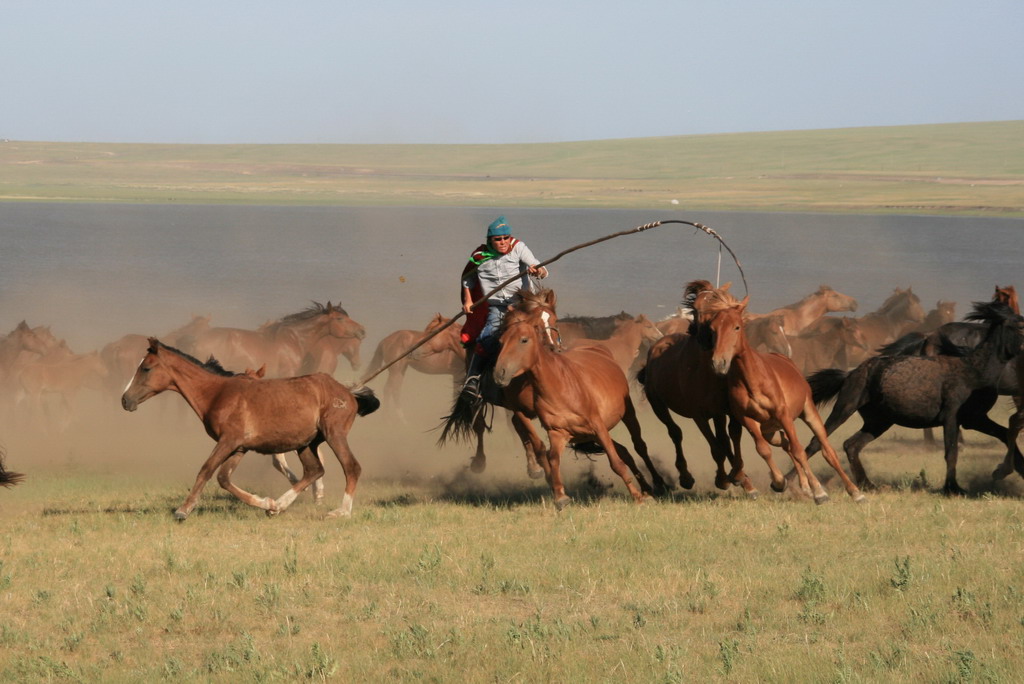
(641, 376)
(377, 361)
(8, 478)
(826, 384)
(589, 448)
(458, 425)
(911, 344)
(366, 401)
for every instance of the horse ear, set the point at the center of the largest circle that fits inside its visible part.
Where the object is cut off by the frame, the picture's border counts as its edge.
(744, 302)
(725, 288)
(154, 345)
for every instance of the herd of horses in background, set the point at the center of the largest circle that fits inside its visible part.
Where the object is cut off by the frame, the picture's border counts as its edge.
(714, 362)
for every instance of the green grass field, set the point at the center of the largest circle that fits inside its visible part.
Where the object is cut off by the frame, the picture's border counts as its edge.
(441, 575)
(967, 169)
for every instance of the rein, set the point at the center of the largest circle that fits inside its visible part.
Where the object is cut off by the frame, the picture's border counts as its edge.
(591, 243)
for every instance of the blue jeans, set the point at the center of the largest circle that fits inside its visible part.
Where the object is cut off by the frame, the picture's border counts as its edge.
(488, 338)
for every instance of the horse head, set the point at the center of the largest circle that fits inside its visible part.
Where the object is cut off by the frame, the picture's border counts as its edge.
(520, 347)
(1007, 295)
(150, 379)
(836, 301)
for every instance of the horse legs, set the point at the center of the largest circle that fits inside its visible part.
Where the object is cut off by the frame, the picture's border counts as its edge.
(336, 438)
(630, 466)
(393, 388)
(220, 453)
(556, 442)
(312, 471)
(764, 450)
(799, 457)
(813, 420)
(1014, 459)
(951, 442)
(633, 426)
(280, 463)
(620, 467)
(224, 480)
(872, 429)
(676, 435)
(734, 454)
(478, 463)
(531, 443)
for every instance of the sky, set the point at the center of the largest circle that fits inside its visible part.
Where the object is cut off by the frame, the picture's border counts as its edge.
(478, 71)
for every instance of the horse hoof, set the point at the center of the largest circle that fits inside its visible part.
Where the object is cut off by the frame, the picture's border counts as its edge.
(686, 481)
(270, 513)
(1001, 473)
(752, 495)
(478, 465)
(779, 487)
(535, 474)
(860, 498)
(722, 483)
(562, 502)
(180, 516)
(821, 499)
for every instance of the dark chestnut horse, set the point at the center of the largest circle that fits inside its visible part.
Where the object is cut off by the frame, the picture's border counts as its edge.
(442, 354)
(243, 414)
(678, 377)
(578, 395)
(766, 392)
(924, 391)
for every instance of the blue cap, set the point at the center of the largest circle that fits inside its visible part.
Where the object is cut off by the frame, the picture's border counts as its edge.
(498, 227)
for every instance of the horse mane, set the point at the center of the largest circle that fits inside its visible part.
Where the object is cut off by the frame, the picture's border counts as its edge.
(995, 315)
(312, 311)
(598, 327)
(527, 300)
(211, 364)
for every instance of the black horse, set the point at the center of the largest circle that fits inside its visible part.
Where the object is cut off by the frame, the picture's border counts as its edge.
(924, 391)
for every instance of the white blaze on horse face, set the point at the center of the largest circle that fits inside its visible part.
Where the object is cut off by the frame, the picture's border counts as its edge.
(546, 318)
(132, 379)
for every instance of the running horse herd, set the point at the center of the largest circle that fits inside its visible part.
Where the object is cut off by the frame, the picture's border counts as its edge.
(714, 362)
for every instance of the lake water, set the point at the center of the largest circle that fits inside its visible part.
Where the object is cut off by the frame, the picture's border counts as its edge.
(94, 272)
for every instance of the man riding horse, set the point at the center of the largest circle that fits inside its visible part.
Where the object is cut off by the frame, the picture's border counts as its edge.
(492, 263)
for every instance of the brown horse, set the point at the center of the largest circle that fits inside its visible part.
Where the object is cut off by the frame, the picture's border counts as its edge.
(944, 312)
(768, 333)
(828, 346)
(1007, 295)
(899, 313)
(766, 393)
(243, 414)
(20, 345)
(627, 340)
(442, 354)
(578, 395)
(280, 345)
(467, 417)
(799, 315)
(63, 373)
(122, 355)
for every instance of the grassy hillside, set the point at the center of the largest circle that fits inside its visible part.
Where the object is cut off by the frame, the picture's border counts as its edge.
(973, 168)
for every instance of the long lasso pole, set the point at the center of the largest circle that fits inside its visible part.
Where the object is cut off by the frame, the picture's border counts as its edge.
(591, 243)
